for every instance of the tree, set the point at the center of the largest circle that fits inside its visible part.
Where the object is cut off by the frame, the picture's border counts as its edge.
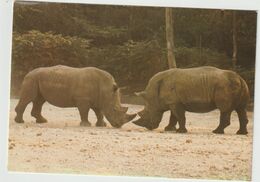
(170, 38)
(234, 55)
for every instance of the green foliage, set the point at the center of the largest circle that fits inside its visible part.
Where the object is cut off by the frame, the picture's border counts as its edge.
(193, 57)
(35, 49)
(126, 62)
(127, 41)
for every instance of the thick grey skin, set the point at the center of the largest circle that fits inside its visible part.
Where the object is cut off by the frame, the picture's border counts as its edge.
(198, 90)
(64, 86)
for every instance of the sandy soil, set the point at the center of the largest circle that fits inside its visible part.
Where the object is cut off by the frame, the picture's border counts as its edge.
(61, 146)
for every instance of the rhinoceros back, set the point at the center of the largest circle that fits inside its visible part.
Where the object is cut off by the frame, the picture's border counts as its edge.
(62, 85)
(201, 89)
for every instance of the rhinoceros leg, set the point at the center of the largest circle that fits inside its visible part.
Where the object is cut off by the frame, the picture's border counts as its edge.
(28, 93)
(172, 124)
(243, 120)
(37, 108)
(224, 122)
(179, 113)
(83, 107)
(100, 118)
(20, 110)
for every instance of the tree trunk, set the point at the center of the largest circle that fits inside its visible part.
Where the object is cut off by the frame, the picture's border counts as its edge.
(170, 38)
(234, 57)
(131, 22)
(200, 48)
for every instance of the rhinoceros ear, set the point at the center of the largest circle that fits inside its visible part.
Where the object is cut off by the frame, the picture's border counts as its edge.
(115, 87)
(141, 94)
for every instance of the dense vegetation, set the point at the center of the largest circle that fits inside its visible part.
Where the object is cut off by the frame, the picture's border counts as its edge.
(127, 41)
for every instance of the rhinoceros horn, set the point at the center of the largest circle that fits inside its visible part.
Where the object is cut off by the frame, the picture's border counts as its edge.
(130, 117)
(140, 122)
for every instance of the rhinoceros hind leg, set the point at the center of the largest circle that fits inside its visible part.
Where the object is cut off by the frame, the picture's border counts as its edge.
(243, 120)
(100, 118)
(172, 124)
(37, 108)
(19, 109)
(18, 119)
(224, 122)
(28, 93)
(242, 132)
(83, 107)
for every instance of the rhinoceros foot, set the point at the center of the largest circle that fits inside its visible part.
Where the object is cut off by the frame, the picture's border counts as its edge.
(181, 130)
(170, 128)
(85, 123)
(101, 123)
(218, 131)
(242, 132)
(18, 120)
(41, 120)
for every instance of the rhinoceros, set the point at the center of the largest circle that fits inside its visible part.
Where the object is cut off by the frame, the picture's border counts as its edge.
(198, 90)
(64, 86)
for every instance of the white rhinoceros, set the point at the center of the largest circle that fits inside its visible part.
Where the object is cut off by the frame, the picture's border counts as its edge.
(65, 86)
(198, 90)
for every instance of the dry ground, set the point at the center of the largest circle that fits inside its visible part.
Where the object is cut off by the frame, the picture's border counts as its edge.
(61, 146)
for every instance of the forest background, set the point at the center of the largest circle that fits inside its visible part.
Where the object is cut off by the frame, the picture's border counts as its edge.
(127, 41)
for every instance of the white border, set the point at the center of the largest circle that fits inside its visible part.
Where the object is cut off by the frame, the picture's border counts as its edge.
(6, 10)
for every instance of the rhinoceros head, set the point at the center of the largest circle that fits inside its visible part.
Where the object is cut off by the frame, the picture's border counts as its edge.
(115, 112)
(118, 116)
(150, 116)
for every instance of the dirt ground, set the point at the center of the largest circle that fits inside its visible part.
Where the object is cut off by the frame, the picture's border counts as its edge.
(62, 146)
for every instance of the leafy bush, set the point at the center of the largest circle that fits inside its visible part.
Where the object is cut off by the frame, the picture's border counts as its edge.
(35, 49)
(193, 57)
(132, 64)
(129, 63)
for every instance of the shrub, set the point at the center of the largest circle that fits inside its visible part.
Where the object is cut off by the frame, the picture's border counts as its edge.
(192, 57)
(35, 49)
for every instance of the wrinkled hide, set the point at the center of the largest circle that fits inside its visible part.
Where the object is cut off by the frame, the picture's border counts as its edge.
(198, 90)
(84, 88)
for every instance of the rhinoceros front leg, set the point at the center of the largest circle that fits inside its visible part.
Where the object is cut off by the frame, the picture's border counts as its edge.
(100, 118)
(172, 123)
(83, 107)
(179, 113)
(37, 108)
(224, 122)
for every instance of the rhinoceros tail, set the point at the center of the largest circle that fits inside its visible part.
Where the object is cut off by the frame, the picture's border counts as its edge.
(244, 94)
(29, 89)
